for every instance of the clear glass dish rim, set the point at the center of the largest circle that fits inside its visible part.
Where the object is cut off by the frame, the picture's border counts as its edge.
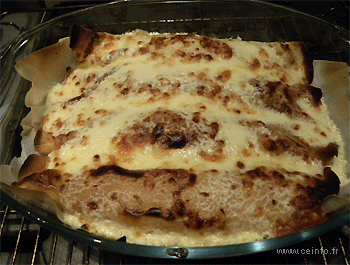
(209, 252)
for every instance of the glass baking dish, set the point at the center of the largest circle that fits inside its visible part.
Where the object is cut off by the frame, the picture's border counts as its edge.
(249, 20)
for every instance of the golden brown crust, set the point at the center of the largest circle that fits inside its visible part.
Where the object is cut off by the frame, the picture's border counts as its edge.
(46, 181)
(178, 194)
(167, 129)
(82, 42)
(283, 98)
(307, 62)
(279, 140)
(300, 220)
(45, 142)
(307, 58)
(33, 164)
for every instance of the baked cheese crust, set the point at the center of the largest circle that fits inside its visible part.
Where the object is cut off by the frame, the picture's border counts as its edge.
(186, 140)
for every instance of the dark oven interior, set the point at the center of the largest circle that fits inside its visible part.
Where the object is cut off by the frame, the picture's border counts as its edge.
(24, 242)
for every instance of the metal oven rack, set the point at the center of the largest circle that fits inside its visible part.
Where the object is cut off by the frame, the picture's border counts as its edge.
(24, 242)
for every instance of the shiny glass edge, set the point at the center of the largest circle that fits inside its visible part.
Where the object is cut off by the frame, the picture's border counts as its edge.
(26, 43)
(50, 222)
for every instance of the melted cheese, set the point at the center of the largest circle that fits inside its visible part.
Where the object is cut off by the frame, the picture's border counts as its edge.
(97, 130)
(124, 81)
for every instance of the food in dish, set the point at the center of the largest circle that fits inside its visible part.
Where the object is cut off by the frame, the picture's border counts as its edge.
(184, 140)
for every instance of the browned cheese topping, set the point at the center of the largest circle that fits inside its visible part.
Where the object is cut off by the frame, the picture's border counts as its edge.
(186, 140)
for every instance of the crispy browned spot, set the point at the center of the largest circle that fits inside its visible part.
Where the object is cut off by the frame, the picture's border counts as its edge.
(45, 142)
(194, 221)
(255, 65)
(92, 205)
(216, 154)
(158, 42)
(224, 76)
(82, 41)
(73, 100)
(33, 164)
(46, 179)
(283, 98)
(168, 129)
(168, 194)
(69, 71)
(300, 220)
(217, 47)
(280, 140)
